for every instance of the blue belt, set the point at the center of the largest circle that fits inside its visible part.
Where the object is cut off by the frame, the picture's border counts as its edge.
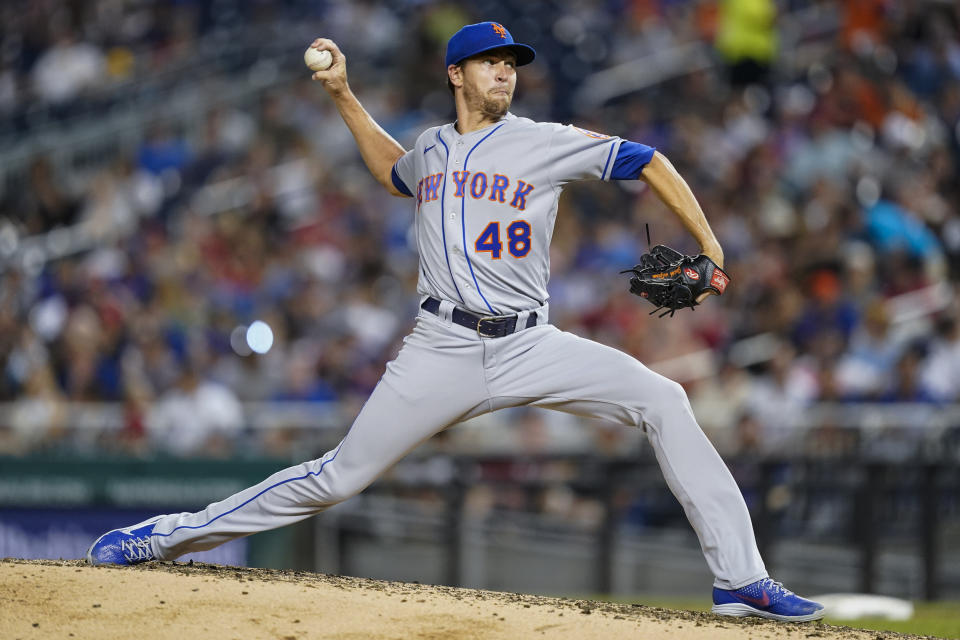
(485, 326)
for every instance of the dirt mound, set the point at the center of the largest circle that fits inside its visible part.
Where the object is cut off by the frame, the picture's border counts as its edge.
(175, 601)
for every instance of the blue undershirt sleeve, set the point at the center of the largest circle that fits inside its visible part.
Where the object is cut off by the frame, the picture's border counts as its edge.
(631, 159)
(398, 183)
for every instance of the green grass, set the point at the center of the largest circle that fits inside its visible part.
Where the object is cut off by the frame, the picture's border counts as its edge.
(938, 619)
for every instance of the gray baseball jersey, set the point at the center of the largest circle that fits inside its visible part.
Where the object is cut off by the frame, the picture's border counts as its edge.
(486, 203)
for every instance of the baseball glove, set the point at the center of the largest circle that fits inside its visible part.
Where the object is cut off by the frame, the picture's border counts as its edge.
(672, 280)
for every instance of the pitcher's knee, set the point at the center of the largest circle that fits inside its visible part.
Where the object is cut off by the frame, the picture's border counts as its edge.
(317, 483)
(334, 484)
(660, 400)
(652, 385)
(674, 392)
(338, 491)
(673, 395)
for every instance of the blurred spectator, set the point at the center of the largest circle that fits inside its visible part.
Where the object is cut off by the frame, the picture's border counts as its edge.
(866, 369)
(46, 203)
(864, 24)
(776, 402)
(718, 403)
(83, 360)
(302, 383)
(747, 39)
(905, 384)
(826, 311)
(39, 416)
(196, 417)
(940, 375)
(107, 214)
(68, 68)
(892, 227)
(162, 151)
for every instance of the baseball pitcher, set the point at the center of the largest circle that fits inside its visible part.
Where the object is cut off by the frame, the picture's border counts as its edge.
(485, 191)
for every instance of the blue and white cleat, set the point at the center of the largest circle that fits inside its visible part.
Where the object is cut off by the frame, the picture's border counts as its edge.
(129, 545)
(766, 599)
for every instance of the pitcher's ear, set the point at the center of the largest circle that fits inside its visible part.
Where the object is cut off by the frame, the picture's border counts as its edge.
(454, 76)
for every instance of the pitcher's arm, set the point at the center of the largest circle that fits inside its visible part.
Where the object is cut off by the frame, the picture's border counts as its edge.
(378, 149)
(673, 190)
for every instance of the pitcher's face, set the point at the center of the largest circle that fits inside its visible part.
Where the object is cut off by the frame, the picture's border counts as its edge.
(489, 80)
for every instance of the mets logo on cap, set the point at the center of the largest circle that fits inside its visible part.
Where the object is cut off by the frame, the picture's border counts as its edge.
(499, 29)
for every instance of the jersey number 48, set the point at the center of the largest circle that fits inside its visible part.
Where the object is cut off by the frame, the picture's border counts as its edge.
(518, 239)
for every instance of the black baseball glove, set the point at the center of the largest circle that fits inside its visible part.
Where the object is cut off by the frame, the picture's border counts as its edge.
(672, 281)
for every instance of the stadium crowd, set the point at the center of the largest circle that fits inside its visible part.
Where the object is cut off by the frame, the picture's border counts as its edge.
(831, 182)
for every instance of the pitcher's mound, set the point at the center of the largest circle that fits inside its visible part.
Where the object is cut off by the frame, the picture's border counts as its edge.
(175, 601)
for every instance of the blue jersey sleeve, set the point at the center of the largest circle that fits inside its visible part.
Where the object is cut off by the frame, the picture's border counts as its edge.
(399, 183)
(631, 159)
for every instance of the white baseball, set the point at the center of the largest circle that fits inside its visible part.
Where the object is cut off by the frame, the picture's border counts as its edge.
(317, 59)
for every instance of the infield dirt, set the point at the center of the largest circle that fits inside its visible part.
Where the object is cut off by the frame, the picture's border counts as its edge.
(176, 601)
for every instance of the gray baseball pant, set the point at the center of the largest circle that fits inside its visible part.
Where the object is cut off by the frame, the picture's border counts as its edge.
(445, 374)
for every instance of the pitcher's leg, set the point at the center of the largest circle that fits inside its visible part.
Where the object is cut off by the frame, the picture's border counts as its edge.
(565, 372)
(285, 497)
(424, 390)
(701, 481)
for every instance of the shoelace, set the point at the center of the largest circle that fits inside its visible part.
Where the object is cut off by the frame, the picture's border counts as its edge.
(776, 587)
(137, 549)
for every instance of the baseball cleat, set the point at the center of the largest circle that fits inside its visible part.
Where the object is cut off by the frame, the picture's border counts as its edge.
(129, 545)
(766, 599)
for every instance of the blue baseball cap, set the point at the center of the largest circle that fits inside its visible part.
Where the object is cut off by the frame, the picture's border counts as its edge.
(484, 36)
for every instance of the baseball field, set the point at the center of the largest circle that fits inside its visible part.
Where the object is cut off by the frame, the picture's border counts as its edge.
(69, 599)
